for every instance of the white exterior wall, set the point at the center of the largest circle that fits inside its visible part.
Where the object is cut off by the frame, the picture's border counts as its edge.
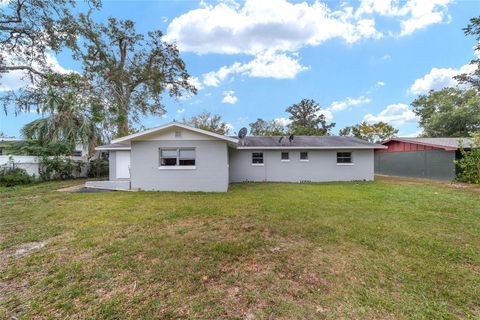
(211, 164)
(321, 166)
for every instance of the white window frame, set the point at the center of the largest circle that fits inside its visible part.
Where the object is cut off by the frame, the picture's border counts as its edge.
(177, 166)
(258, 164)
(288, 156)
(300, 155)
(343, 157)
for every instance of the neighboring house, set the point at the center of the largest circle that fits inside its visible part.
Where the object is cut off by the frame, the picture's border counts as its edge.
(176, 157)
(431, 158)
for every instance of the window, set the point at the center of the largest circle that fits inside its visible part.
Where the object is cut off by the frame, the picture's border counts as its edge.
(257, 158)
(170, 157)
(285, 156)
(304, 156)
(344, 157)
(77, 153)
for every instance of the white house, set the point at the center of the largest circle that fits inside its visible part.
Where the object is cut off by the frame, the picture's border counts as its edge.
(177, 157)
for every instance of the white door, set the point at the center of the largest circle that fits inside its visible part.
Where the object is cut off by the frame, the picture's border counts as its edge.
(122, 164)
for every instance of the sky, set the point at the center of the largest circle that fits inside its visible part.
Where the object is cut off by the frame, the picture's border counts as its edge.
(360, 60)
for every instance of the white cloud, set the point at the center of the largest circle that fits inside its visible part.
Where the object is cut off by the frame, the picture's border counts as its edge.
(266, 65)
(380, 83)
(394, 114)
(347, 103)
(327, 113)
(257, 26)
(283, 121)
(195, 82)
(439, 78)
(229, 97)
(413, 14)
(179, 111)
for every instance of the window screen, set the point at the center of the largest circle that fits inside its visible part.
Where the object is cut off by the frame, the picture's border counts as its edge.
(344, 157)
(187, 157)
(168, 157)
(177, 157)
(303, 155)
(285, 156)
(257, 157)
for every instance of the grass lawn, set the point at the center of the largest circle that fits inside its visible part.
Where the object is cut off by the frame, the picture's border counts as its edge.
(366, 250)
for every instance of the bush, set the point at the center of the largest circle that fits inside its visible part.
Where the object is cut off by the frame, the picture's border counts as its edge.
(59, 168)
(469, 164)
(98, 168)
(15, 176)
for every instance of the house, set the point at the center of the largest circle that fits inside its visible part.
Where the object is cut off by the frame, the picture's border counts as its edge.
(431, 158)
(176, 157)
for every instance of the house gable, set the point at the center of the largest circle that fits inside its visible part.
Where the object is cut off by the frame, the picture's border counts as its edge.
(174, 131)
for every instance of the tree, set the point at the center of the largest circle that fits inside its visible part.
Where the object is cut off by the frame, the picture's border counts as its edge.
(375, 132)
(131, 69)
(209, 122)
(473, 78)
(266, 128)
(469, 163)
(29, 29)
(307, 119)
(450, 112)
(70, 112)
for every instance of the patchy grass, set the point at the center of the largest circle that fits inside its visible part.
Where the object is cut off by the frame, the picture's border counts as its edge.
(378, 250)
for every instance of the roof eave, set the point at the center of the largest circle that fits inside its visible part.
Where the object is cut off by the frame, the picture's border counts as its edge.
(309, 147)
(173, 124)
(422, 144)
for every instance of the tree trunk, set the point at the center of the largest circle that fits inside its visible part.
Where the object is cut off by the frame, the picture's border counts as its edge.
(122, 120)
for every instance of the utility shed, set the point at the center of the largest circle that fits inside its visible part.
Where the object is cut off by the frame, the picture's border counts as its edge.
(430, 158)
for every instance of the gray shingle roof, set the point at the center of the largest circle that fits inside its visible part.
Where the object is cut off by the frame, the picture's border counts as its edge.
(441, 142)
(326, 142)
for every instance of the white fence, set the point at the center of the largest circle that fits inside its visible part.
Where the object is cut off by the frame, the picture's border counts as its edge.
(31, 164)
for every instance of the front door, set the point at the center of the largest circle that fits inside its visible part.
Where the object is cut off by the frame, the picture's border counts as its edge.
(122, 164)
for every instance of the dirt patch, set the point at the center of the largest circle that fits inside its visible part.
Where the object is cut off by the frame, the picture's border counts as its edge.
(72, 188)
(22, 250)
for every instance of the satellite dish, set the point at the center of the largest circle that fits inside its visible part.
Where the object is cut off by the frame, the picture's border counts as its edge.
(290, 138)
(242, 133)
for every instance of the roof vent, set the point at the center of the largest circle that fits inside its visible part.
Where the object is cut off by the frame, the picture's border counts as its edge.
(178, 134)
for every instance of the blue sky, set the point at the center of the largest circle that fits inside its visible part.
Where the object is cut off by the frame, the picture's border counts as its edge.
(360, 60)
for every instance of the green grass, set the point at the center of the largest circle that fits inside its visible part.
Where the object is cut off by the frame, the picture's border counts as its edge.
(362, 250)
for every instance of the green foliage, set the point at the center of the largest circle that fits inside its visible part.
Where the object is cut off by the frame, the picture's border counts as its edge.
(473, 78)
(30, 29)
(450, 112)
(267, 128)
(34, 148)
(130, 71)
(375, 132)
(59, 168)
(98, 168)
(307, 119)
(10, 177)
(469, 164)
(70, 109)
(209, 122)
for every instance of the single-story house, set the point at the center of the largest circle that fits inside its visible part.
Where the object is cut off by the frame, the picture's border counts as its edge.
(430, 158)
(177, 157)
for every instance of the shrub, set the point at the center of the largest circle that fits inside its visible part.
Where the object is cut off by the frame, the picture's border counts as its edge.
(59, 168)
(98, 168)
(14, 176)
(469, 164)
